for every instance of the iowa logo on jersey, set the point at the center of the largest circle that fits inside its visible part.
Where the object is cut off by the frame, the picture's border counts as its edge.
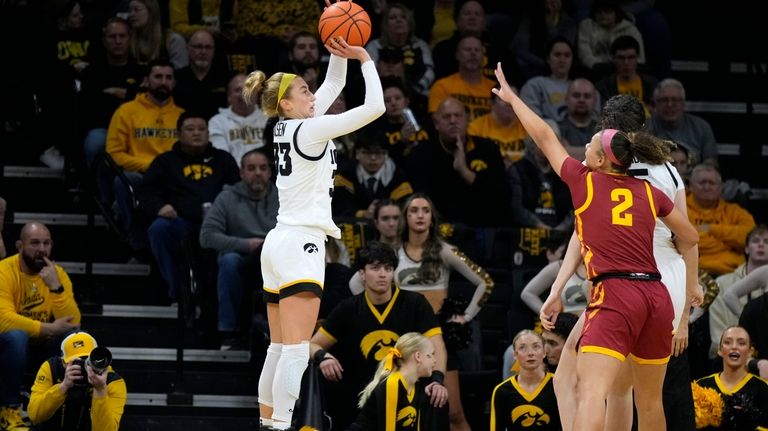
(310, 248)
(376, 344)
(406, 417)
(529, 415)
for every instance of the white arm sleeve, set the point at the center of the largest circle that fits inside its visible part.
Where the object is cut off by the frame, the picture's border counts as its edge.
(356, 284)
(335, 79)
(757, 279)
(539, 284)
(317, 131)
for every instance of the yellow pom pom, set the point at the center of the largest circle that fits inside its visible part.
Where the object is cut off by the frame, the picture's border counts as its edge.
(708, 406)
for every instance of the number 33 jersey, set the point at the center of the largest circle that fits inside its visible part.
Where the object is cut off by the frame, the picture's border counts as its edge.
(615, 218)
(305, 174)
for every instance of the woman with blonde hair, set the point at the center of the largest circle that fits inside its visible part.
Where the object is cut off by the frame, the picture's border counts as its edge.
(293, 254)
(149, 41)
(528, 398)
(390, 402)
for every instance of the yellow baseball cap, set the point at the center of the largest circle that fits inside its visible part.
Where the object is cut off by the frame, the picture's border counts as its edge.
(77, 345)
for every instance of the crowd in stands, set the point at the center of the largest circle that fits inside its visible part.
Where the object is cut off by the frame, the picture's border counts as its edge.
(143, 101)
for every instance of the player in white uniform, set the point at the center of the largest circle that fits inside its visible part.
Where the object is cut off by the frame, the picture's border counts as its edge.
(678, 273)
(293, 255)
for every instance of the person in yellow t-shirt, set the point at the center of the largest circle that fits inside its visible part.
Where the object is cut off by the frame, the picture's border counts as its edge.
(502, 128)
(468, 85)
(37, 307)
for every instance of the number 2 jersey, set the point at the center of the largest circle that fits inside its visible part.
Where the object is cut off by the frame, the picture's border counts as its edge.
(305, 157)
(615, 218)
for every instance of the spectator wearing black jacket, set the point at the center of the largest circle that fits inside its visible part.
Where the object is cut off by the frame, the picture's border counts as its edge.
(464, 175)
(540, 199)
(372, 177)
(177, 187)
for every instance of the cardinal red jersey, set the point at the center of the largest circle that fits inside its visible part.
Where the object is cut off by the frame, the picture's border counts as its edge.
(615, 218)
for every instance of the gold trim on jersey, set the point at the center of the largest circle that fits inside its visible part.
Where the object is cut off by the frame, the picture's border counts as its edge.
(650, 199)
(434, 331)
(585, 251)
(381, 317)
(327, 334)
(737, 388)
(391, 412)
(530, 396)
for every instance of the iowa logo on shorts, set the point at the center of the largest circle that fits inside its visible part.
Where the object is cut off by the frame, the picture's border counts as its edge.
(310, 248)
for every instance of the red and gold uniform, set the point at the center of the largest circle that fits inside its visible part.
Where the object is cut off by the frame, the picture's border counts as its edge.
(630, 311)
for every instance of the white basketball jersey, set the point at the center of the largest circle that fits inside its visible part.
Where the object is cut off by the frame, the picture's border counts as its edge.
(665, 178)
(304, 179)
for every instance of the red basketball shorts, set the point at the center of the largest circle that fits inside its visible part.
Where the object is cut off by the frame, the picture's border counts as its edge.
(629, 317)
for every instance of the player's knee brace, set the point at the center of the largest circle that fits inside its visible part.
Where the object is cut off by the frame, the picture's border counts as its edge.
(290, 369)
(268, 373)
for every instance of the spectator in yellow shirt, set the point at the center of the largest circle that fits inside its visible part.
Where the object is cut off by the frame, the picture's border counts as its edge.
(722, 226)
(501, 126)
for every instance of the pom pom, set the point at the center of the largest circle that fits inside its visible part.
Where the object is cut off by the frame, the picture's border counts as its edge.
(708, 406)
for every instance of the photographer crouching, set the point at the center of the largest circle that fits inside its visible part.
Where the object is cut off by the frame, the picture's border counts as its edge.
(78, 390)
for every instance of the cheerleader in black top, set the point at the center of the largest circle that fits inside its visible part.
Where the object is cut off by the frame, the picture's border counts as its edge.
(390, 401)
(745, 395)
(526, 401)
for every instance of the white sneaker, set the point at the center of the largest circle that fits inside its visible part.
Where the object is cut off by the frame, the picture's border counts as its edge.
(52, 158)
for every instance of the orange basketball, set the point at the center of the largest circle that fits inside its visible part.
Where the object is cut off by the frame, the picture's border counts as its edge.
(345, 19)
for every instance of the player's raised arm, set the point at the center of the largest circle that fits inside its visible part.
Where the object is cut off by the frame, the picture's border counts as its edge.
(538, 129)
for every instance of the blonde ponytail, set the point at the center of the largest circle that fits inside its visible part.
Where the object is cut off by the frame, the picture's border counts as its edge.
(253, 86)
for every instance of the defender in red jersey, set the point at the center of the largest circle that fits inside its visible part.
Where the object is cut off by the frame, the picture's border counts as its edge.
(630, 312)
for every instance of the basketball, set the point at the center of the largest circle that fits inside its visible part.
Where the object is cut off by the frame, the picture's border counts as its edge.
(345, 19)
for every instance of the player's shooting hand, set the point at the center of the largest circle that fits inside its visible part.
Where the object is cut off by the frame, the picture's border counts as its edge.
(340, 48)
(437, 393)
(49, 275)
(331, 368)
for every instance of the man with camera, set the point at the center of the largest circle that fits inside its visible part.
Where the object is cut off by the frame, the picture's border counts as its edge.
(78, 390)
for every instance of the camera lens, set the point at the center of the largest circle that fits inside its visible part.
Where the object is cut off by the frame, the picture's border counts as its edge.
(99, 359)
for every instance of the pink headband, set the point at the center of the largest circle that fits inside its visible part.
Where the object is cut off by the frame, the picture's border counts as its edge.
(605, 139)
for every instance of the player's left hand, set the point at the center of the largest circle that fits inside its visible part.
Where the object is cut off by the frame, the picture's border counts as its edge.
(680, 340)
(437, 393)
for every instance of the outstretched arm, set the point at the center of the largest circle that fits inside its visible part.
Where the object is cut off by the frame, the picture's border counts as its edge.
(539, 130)
(757, 279)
